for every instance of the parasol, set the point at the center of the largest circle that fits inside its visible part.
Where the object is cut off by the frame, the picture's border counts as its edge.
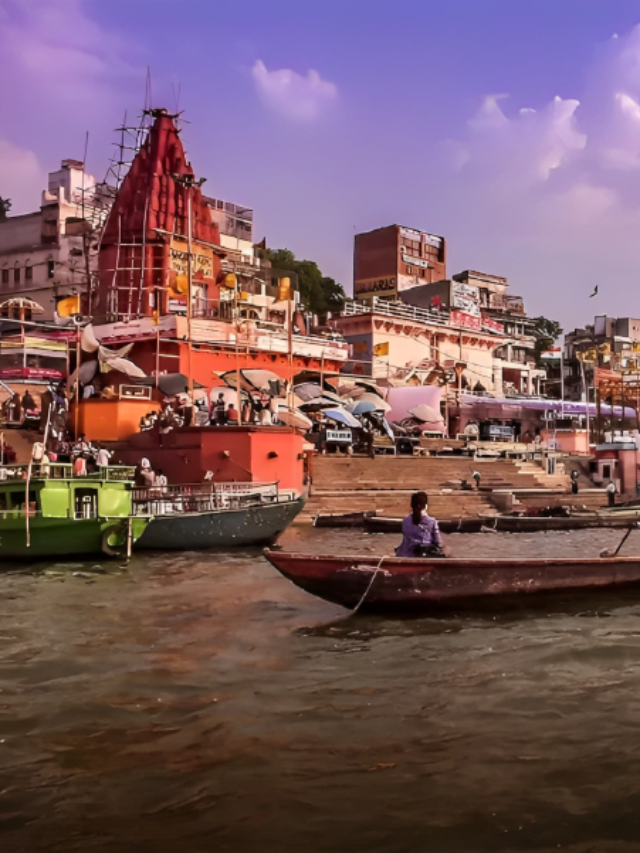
(425, 414)
(342, 416)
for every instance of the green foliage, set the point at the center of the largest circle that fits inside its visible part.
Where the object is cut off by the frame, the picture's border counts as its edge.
(546, 332)
(5, 207)
(318, 293)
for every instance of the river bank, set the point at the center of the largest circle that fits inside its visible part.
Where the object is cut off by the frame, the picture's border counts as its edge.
(200, 701)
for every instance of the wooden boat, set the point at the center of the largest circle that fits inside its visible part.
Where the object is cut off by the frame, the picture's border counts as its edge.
(386, 524)
(541, 523)
(348, 519)
(215, 515)
(504, 523)
(394, 583)
(49, 512)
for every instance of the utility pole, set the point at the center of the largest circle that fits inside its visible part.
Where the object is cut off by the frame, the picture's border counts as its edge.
(189, 182)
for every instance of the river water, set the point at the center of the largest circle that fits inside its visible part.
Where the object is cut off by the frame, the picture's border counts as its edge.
(200, 702)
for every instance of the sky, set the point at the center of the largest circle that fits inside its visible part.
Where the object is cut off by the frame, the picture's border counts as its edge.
(510, 127)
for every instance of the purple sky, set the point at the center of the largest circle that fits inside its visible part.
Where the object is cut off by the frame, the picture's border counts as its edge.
(512, 128)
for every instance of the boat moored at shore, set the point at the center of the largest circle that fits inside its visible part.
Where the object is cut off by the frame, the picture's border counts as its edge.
(215, 515)
(46, 511)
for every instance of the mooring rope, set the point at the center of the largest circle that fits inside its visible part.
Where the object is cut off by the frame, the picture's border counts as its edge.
(366, 592)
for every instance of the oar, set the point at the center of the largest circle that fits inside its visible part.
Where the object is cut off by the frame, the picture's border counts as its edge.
(607, 553)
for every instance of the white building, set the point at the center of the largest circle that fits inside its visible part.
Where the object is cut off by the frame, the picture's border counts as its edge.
(51, 254)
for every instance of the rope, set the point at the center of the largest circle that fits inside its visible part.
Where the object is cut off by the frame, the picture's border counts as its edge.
(366, 592)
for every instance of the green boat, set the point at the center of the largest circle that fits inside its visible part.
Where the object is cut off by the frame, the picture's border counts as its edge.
(47, 511)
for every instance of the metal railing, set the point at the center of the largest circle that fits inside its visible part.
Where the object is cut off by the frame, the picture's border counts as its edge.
(64, 471)
(409, 312)
(392, 309)
(204, 497)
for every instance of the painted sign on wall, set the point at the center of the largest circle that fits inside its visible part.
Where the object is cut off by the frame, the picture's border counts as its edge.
(375, 285)
(466, 321)
(201, 259)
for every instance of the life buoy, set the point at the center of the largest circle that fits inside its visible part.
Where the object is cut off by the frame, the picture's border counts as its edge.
(114, 550)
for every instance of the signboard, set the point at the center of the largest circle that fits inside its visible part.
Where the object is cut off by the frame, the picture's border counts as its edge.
(466, 321)
(201, 259)
(417, 262)
(375, 285)
(31, 373)
(430, 239)
(411, 234)
(464, 298)
(339, 436)
(178, 272)
(492, 325)
(177, 305)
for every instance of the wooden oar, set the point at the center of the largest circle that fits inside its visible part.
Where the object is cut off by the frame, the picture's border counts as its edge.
(607, 553)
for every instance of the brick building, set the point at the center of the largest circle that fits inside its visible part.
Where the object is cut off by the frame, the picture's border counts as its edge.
(390, 260)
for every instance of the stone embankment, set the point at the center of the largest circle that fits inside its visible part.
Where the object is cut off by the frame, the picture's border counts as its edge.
(343, 484)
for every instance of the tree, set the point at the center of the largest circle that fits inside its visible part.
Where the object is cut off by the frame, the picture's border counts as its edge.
(5, 207)
(318, 293)
(545, 332)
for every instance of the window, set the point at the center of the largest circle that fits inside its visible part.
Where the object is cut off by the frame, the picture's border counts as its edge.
(16, 275)
(28, 273)
(5, 276)
(86, 503)
(50, 269)
(606, 472)
(409, 270)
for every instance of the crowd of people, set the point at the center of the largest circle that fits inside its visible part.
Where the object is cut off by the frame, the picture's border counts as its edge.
(181, 410)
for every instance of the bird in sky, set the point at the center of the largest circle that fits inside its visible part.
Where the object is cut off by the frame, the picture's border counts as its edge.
(595, 292)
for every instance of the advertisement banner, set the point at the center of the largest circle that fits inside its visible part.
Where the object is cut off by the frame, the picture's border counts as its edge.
(465, 298)
(466, 321)
(417, 262)
(492, 325)
(31, 373)
(201, 259)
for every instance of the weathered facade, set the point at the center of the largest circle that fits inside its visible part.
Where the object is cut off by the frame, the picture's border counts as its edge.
(393, 259)
(50, 254)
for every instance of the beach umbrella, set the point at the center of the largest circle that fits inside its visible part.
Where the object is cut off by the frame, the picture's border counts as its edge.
(309, 390)
(370, 387)
(87, 371)
(253, 380)
(125, 365)
(374, 398)
(362, 407)
(378, 403)
(342, 416)
(292, 417)
(426, 414)
(317, 404)
(172, 384)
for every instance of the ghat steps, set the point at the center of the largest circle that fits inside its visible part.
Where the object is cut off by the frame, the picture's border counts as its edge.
(350, 484)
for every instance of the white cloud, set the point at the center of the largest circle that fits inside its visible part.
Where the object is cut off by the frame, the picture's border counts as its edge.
(22, 178)
(291, 95)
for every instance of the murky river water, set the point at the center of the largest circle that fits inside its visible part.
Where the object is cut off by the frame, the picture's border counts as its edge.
(200, 702)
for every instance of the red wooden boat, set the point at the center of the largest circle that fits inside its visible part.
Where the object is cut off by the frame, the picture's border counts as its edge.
(420, 583)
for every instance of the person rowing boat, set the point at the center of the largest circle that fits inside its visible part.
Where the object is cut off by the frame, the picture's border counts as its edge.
(420, 531)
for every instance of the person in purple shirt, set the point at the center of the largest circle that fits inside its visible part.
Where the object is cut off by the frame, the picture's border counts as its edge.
(420, 532)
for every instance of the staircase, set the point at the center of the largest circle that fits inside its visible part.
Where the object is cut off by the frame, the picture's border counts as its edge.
(342, 485)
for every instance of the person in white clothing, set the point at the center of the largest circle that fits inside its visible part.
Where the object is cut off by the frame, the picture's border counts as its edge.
(102, 456)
